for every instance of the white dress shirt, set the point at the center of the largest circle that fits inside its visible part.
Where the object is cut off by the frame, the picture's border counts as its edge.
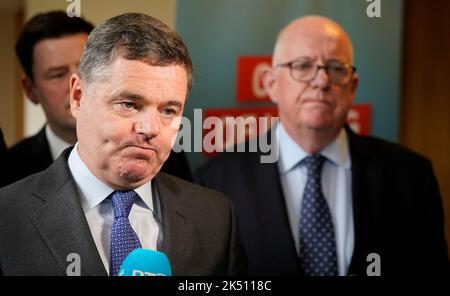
(99, 213)
(56, 144)
(336, 186)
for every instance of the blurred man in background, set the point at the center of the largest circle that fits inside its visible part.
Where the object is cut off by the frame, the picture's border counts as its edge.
(335, 203)
(49, 49)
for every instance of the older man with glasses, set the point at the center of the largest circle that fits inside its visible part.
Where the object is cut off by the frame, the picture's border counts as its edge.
(335, 203)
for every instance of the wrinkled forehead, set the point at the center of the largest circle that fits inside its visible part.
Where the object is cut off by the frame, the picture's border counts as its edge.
(318, 42)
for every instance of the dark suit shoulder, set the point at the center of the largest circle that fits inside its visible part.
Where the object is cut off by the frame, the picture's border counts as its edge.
(49, 180)
(29, 144)
(29, 156)
(194, 194)
(17, 194)
(226, 162)
(382, 151)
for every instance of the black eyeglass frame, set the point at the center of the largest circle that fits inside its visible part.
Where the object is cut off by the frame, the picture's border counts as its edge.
(318, 67)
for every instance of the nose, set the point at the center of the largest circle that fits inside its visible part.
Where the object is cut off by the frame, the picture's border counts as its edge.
(148, 124)
(321, 80)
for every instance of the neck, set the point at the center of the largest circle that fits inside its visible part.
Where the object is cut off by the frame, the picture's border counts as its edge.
(312, 140)
(68, 135)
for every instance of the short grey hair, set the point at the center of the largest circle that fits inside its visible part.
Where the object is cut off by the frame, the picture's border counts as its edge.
(133, 36)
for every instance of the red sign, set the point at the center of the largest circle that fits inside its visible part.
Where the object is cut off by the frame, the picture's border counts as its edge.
(224, 128)
(359, 118)
(249, 73)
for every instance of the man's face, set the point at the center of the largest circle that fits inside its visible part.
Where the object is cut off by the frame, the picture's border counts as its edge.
(127, 122)
(319, 104)
(54, 60)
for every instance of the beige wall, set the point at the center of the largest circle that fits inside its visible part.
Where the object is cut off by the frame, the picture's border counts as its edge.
(10, 93)
(95, 11)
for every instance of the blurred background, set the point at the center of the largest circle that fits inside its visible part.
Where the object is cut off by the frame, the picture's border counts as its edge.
(402, 56)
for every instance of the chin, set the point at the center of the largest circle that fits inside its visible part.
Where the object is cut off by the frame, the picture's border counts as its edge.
(136, 173)
(318, 123)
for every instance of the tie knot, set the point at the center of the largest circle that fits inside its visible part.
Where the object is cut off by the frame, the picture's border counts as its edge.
(314, 163)
(122, 201)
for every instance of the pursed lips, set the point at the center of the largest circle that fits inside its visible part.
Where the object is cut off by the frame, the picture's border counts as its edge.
(141, 152)
(144, 147)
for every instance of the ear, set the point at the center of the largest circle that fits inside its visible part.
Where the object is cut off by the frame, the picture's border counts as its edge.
(354, 83)
(269, 83)
(28, 88)
(77, 92)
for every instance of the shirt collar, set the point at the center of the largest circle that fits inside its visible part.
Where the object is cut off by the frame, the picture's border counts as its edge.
(291, 153)
(56, 144)
(338, 151)
(93, 191)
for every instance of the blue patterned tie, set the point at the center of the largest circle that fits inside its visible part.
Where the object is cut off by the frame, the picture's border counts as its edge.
(317, 241)
(123, 238)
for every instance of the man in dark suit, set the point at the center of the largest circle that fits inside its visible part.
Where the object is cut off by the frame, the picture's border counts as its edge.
(105, 197)
(49, 49)
(333, 203)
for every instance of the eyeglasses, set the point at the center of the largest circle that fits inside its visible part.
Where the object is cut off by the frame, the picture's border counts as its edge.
(305, 70)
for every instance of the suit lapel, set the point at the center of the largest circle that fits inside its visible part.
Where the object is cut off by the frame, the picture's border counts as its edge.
(61, 222)
(178, 235)
(366, 186)
(268, 201)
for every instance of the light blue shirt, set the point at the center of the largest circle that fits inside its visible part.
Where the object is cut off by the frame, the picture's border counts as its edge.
(336, 187)
(99, 213)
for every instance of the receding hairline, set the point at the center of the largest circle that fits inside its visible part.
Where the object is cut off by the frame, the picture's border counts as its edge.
(312, 24)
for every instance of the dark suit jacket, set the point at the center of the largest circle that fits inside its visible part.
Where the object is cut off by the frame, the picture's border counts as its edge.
(32, 155)
(2, 144)
(42, 221)
(396, 206)
(3, 158)
(29, 156)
